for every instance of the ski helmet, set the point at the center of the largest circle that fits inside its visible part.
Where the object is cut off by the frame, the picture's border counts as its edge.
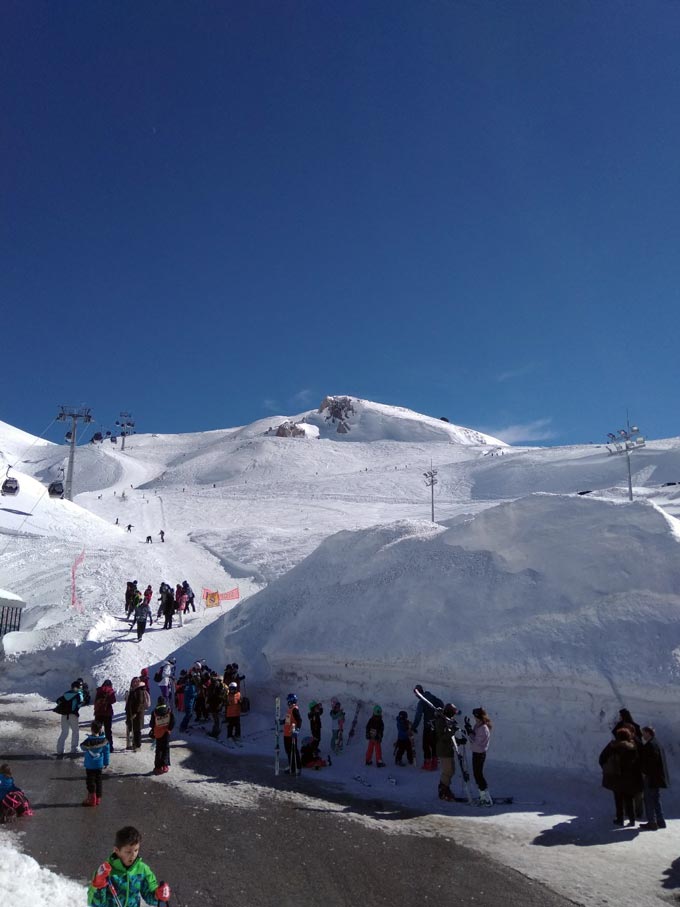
(450, 710)
(377, 710)
(291, 699)
(233, 686)
(313, 704)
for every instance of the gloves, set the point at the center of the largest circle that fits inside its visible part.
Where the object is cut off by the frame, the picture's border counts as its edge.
(101, 876)
(163, 892)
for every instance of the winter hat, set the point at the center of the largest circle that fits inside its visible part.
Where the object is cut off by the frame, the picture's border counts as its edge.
(144, 672)
(291, 699)
(377, 710)
(403, 714)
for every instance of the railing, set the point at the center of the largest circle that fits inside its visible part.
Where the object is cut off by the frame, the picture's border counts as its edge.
(10, 618)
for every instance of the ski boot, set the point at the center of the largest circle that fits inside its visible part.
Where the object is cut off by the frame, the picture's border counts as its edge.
(485, 798)
(445, 793)
(90, 800)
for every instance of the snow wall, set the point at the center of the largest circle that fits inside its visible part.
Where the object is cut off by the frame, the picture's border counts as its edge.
(551, 611)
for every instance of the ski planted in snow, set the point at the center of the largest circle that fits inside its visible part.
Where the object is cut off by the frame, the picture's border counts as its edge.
(353, 726)
(277, 732)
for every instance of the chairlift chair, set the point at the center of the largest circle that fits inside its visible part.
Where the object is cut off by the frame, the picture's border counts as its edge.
(10, 486)
(56, 489)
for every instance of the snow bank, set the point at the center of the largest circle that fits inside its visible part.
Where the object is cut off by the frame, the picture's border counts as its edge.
(553, 611)
(24, 882)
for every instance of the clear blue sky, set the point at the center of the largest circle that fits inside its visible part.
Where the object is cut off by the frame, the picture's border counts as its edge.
(215, 211)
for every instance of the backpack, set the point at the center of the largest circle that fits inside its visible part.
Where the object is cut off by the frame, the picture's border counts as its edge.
(158, 676)
(101, 705)
(63, 706)
(14, 804)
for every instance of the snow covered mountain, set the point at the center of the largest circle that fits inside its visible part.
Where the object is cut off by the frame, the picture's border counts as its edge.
(524, 594)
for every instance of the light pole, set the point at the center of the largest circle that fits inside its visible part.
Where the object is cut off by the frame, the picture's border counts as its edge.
(431, 481)
(127, 427)
(624, 441)
(73, 413)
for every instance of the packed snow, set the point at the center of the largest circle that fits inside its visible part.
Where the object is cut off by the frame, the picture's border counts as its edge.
(550, 608)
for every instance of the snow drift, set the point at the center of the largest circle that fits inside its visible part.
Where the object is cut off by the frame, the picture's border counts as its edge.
(552, 611)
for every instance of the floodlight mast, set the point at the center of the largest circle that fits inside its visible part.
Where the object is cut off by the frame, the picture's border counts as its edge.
(431, 481)
(73, 413)
(624, 441)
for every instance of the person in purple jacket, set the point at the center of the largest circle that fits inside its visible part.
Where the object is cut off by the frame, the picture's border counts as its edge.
(480, 737)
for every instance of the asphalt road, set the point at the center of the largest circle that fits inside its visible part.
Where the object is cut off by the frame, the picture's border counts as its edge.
(282, 853)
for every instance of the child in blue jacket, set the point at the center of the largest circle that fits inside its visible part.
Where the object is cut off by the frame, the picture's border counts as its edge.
(96, 748)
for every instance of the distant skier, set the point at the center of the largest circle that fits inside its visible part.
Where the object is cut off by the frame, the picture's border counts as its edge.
(190, 596)
(149, 540)
(162, 535)
(129, 527)
(117, 521)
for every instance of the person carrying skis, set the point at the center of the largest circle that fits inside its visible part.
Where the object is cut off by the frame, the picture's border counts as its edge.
(104, 699)
(68, 706)
(124, 872)
(375, 729)
(291, 729)
(337, 726)
(162, 723)
(479, 737)
(96, 749)
(427, 713)
(444, 730)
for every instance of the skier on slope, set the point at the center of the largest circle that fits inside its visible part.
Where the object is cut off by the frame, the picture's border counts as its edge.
(427, 713)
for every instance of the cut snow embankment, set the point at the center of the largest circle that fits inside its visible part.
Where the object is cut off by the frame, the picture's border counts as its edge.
(551, 611)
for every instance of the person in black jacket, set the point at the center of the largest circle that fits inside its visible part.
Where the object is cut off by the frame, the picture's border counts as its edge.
(653, 778)
(427, 714)
(621, 774)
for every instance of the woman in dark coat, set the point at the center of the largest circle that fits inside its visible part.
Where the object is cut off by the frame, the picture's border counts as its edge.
(621, 774)
(653, 777)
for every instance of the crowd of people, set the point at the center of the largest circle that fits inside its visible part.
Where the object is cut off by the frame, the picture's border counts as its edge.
(170, 602)
(634, 769)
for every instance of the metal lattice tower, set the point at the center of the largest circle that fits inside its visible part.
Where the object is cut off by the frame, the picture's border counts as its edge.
(73, 413)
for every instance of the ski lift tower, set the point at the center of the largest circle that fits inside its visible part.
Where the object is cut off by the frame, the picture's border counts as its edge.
(127, 427)
(73, 413)
(624, 441)
(431, 481)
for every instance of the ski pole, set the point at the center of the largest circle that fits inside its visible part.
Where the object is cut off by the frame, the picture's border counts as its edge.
(109, 885)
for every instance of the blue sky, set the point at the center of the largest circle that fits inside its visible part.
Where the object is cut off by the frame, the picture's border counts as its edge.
(216, 211)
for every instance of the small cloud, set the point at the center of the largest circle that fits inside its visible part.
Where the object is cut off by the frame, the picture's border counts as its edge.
(513, 373)
(538, 430)
(303, 397)
(271, 405)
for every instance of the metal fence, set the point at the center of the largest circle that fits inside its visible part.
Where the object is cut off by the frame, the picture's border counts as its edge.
(10, 617)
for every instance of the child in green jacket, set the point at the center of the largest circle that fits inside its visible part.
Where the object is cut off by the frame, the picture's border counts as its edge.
(124, 878)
